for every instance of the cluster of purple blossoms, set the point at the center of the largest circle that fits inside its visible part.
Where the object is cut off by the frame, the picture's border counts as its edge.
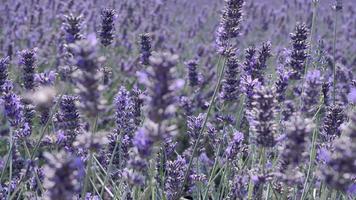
(255, 64)
(193, 75)
(282, 84)
(231, 82)
(299, 51)
(145, 48)
(72, 28)
(125, 127)
(88, 76)
(340, 169)
(62, 176)
(229, 27)
(311, 91)
(160, 86)
(4, 64)
(107, 26)
(14, 110)
(333, 119)
(27, 60)
(68, 119)
(263, 115)
(295, 145)
(234, 147)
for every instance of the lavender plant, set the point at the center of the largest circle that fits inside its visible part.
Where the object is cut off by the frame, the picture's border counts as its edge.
(249, 122)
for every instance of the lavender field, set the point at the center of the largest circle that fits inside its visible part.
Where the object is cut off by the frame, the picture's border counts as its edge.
(177, 99)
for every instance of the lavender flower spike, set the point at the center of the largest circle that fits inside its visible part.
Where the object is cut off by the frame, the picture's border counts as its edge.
(299, 51)
(231, 82)
(107, 26)
(145, 48)
(229, 24)
(263, 115)
(27, 60)
(4, 64)
(72, 28)
(61, 176)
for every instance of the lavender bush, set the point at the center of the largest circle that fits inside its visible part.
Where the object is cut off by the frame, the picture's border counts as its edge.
(171, 100)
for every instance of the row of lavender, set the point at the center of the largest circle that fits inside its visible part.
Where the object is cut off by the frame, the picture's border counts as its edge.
(113, 119)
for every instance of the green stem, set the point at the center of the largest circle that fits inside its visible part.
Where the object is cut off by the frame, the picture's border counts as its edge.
(212, 101)
(213, 171)
(10, 173)
(90, 163)
(118, 140)
(311, 162)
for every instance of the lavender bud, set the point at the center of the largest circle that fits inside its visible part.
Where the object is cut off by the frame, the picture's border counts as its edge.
(27, 60)
(192, 73)
(263, 115)
(46, 78)
(88, 77)
(229, 23)
(311, 91)
(72, 28)
(231, 82)
(124, 112)
(250, 60)
(61, 176)
(234, 146)
(161, 86)
(281, 84)
(12, 105)
(340, 169)
(145, 48)
(107, 26)
(298, 130)
(325, 90)
(175, 177)
(4, 64)
(333, 119)
(299, 51)
(137, 105)
(68, 118)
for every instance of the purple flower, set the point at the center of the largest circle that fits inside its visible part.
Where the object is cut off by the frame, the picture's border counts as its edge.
(281, 84)
(61, 176)
(124, 112)
(333, 119)
(27, 60)
(45, 78)
(72, 28)
(161, 86)
(107, 26)
(88, 77)
(68, 119)
(229, 23)
(136, 95)
(145, 48)
(234, 146)
(231, 82)
(262, 116)
(12, 105)
(299, 51)
(339, 172)
(143, 142)
(175, 177)
(4, 64)
(311, 92)
(193, 75)
(297, 131)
